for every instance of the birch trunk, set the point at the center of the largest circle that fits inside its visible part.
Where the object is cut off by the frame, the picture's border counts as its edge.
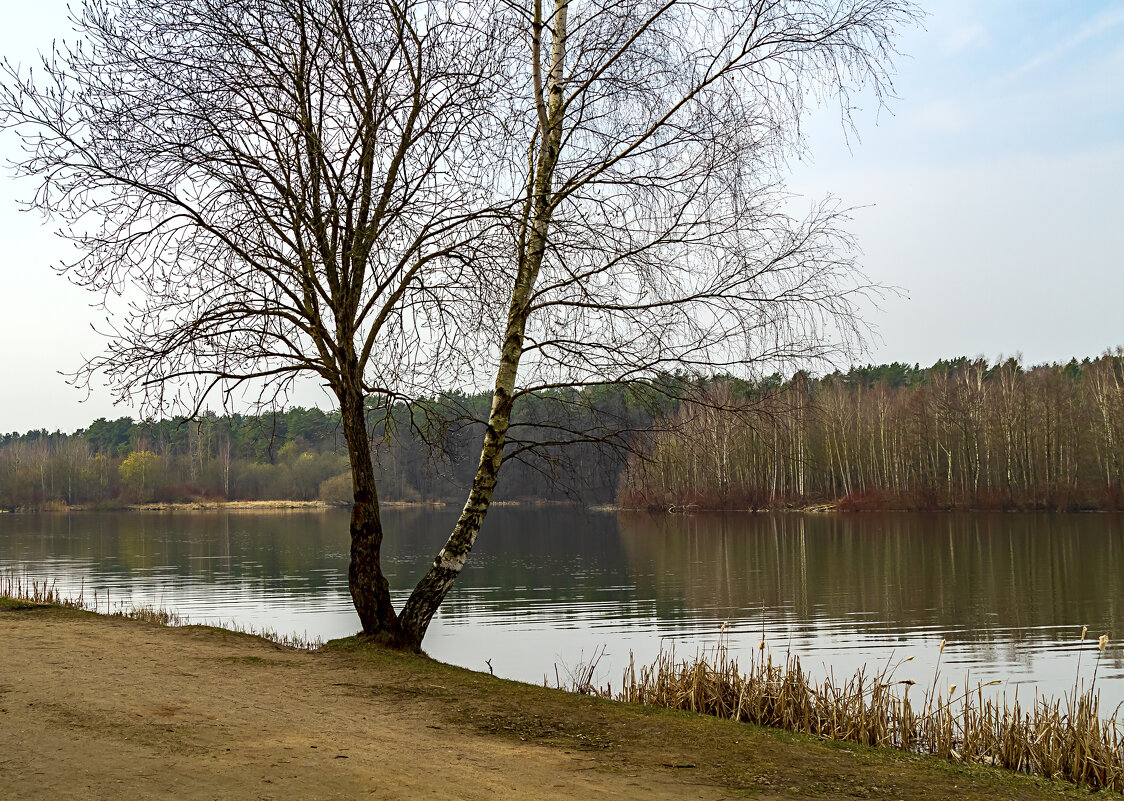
(435, 585)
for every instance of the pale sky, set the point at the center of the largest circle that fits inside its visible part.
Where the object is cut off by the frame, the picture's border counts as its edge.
(991, 193)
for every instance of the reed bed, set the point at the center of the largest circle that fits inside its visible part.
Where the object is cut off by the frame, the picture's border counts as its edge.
(1065, 738)
(46, 592)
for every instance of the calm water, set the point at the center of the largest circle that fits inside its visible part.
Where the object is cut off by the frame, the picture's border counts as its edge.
(545, 589)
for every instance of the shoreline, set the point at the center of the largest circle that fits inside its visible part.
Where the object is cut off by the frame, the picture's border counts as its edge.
(97, 706)
(285, 506)
(214, 506)
(281, 506)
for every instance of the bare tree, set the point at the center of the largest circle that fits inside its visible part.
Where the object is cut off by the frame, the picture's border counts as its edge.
(269, 188)
(380, 193)
(648, 141)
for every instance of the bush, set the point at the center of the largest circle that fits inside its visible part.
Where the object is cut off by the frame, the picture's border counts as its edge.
(338, 490)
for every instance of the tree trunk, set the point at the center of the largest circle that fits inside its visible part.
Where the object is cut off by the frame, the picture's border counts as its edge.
(370, 591)
(435, 585)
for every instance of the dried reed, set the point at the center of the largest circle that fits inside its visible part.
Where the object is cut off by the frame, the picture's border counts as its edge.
(1066, 738)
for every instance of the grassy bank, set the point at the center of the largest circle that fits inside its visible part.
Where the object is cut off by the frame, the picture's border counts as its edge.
(1064, 738)
(107, 706)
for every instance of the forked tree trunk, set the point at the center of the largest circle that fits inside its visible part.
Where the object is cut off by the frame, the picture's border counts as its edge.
(370, 591)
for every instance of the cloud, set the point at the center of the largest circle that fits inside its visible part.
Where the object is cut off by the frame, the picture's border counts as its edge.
(963, 38)
(1095, 27)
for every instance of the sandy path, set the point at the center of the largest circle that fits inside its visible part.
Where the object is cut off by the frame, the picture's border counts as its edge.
(118, 709)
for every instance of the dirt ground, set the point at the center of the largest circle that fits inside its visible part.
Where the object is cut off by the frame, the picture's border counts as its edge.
(103, 708)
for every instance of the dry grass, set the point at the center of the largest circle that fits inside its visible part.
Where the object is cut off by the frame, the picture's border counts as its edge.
(1066, 738)
(34, 591)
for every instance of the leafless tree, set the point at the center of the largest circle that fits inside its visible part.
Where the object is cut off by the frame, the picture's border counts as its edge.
(648, 141)
(390, 195)
(270, 188)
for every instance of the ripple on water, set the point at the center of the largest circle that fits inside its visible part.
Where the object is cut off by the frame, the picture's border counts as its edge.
(842, 593)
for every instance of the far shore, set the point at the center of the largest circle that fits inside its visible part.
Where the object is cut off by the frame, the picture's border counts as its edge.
(278, 506)
(286, 506)
(189, 506)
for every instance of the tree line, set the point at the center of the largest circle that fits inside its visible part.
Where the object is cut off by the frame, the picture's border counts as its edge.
(422, 452)
(962, 433)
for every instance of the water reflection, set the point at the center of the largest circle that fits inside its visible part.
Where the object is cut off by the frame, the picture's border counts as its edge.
(953, 573)
(1010, 592)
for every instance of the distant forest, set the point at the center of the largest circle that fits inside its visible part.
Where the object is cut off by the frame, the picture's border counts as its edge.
(562, 447)
(959, 434)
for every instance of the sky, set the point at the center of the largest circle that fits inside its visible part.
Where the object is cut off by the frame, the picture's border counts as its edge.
(989, 192)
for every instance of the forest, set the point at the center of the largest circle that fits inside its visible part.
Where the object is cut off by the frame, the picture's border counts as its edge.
(959, 434)
(564, 446)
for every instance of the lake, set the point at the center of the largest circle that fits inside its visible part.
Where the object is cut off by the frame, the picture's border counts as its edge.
(547, 588)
